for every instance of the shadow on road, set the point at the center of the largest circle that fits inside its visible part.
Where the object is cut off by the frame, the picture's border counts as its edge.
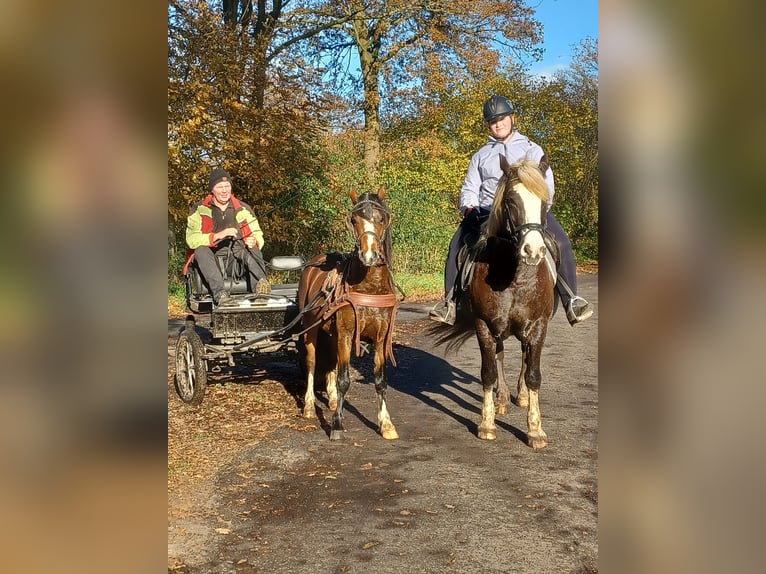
(432, 380)
(424, 376)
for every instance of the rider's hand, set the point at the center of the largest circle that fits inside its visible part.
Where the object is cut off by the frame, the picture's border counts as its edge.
(471, 217)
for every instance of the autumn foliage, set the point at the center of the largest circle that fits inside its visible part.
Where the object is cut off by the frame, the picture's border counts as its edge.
(274, 98)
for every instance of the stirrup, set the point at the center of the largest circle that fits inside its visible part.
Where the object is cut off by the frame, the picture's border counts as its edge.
(443, 311)
(584, 310)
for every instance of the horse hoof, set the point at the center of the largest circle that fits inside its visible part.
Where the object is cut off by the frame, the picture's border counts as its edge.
(522, 402)
(308, 413)
(487, 435)
(389, 433)
(336, 434)
(500, 410)
(537, 442)
(332, 405)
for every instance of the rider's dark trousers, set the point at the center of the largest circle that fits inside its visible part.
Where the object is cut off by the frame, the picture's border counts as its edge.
(450, 266)
(252, 259)
(567, 268)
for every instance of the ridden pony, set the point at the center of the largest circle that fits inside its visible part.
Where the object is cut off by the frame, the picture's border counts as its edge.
(351, 297)
(510, 293)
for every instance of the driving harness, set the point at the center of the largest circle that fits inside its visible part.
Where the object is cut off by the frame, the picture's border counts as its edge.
(337, 294)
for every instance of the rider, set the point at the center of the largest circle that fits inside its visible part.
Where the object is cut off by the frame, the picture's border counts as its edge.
(477, 194)
(218, 221)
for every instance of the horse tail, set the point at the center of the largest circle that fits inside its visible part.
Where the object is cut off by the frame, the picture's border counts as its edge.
(453, 336)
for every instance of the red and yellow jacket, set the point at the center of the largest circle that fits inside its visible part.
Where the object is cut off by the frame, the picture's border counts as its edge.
(200, 224)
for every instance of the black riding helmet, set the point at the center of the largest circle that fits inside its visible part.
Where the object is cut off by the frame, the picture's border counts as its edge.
(497, 107)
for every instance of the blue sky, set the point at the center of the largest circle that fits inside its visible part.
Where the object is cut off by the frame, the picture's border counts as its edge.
(565, 23)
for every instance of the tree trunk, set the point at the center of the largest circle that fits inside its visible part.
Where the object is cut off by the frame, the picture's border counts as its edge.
(370, 66)
(259, 73)
(371, 130)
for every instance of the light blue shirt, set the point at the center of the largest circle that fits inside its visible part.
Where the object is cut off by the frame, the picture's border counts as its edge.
(484, 171)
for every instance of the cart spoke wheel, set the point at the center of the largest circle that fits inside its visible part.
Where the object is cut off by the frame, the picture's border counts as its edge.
(191, 372)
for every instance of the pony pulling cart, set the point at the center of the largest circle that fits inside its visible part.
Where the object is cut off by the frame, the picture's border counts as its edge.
(342, 299)
(345, 298)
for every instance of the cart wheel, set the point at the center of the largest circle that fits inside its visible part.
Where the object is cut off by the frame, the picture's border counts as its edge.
(191, 373)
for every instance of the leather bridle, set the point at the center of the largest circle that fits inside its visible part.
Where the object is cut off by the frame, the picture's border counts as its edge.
(364, 208)
(517, 233)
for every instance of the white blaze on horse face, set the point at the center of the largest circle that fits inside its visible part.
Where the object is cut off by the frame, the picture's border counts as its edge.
(532, 249)
(367, 243)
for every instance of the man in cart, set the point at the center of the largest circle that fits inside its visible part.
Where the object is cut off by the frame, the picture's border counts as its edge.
(221, 221)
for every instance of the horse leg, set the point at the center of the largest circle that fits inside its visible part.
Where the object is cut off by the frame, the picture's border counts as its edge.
(343, 383)
(387, 429)
(310, 338)
(503, 395)
(522, 398)
(332, 388)
(328, 344)
(488, 379)
(536, 437)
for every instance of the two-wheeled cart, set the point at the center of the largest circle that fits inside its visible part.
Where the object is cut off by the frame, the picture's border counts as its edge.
(252, 328)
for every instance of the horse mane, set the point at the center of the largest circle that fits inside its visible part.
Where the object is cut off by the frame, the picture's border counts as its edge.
(526, 173)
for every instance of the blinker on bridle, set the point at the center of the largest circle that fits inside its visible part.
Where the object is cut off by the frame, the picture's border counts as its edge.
(364, 208)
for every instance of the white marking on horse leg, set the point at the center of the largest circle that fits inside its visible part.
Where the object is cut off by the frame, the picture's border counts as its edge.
(536, 437)
(332, 389)
(487, 426)
(502, 388)
(308, 399)
(387, 428)
(522, 398)
(311, 355)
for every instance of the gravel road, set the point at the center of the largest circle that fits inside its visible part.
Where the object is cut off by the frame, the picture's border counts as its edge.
(436, 500)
